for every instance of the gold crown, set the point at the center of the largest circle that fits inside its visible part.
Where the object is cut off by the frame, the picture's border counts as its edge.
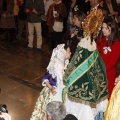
(92, 23)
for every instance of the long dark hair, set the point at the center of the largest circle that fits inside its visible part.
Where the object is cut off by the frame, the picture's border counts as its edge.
(114, 36)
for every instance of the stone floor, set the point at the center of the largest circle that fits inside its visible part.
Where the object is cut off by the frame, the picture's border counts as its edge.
(20, 76)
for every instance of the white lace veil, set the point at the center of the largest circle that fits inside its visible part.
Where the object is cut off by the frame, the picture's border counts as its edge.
(57, 61)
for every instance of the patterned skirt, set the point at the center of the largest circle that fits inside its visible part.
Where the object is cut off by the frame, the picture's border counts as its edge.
(42, 101)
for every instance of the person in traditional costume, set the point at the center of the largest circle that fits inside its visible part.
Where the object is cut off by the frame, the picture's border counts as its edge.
(113, 109)
(51, 80)
(86, 91)
(108, 44)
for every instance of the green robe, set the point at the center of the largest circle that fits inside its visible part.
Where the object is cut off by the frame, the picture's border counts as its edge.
(85, 78)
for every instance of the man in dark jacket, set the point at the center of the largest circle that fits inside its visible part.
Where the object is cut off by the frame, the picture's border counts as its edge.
(34, 10)
(22, 19)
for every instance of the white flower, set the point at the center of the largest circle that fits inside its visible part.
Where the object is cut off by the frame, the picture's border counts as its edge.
(106, 49)
(76, 8)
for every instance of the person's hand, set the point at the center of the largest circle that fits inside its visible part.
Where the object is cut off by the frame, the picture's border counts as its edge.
(4, 15)
(117, 80)
(45, 117)
(34, 11)
(53, 90)
(27, 10)
(74, 33)
(56, 15)
(113, 13)
(44, 17)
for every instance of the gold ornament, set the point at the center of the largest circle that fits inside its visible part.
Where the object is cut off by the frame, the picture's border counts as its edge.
(92, 23)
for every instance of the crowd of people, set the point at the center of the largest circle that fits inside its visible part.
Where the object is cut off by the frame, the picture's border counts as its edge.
(84, 37)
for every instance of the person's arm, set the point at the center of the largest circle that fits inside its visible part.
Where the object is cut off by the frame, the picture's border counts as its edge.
(41, 10)
(69, 35)
(27, 6)
(50, 87)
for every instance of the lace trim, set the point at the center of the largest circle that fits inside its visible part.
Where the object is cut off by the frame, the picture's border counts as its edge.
(86, 43)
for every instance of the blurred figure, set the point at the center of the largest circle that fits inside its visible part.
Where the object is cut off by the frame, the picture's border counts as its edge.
(74, 34)
(111, 7)
(45, 31)
(16, 15)
(72, 7)
(56, 14)
(22, 20)
(118, 1)
(7, 21)
(4, 112)
(34, 10)
(99, 4)
(94, 3)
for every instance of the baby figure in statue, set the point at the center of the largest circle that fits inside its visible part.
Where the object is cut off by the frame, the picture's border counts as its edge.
(51, 80)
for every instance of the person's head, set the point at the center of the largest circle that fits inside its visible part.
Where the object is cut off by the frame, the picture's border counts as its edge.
(94, 3)
(61, 52)
(109, 29)
(68, 53)
(101, 3)
(78, 17)
(55, 110)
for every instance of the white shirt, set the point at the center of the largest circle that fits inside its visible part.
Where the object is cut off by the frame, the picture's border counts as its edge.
(47, 3)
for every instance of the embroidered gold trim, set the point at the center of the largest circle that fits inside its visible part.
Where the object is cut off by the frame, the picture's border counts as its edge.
(84, 71)
(93, 105)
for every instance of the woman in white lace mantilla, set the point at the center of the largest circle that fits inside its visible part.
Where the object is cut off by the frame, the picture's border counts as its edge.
(51, 80)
